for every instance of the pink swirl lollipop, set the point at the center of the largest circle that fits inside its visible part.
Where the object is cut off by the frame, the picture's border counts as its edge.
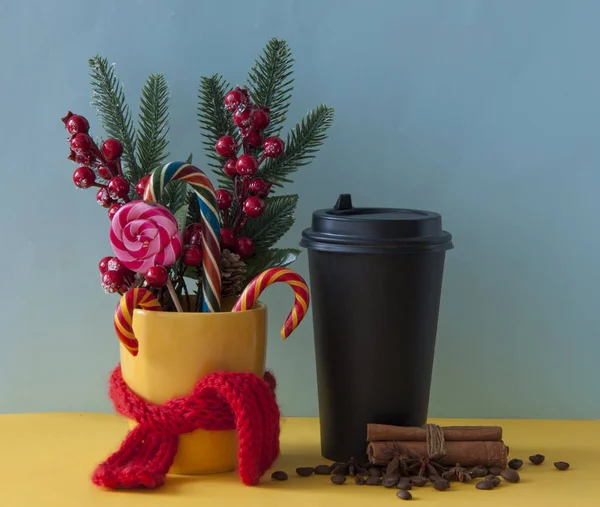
(145, 234)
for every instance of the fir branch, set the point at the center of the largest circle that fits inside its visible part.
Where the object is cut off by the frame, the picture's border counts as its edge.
(275, 257)
(175, 196)
(301, 146)
(276, 220)
(193, 213)
(114, 114)
(271, 82)
(215, 121)
(153, 125)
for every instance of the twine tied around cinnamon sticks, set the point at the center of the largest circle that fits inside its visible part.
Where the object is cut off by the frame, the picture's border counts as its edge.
(467, 445)
(435, 440)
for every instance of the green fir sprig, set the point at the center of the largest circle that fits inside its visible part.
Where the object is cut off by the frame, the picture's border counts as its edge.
(270, 84)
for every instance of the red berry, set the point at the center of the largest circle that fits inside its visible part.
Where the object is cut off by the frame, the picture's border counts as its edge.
(157, 276)
(77, 124)
(115, 264)
(112, 211)
(192, 255)
(81, 143)
(229, 168)
(104, 172)
(118, 188)
(243, 116)
(273, 147)
(226, 146)
(228, 239)
(245, 247)
(246, 165)
(193, 234)
(84, 177)
(254, 139)
(234, 99)
(85, 158)
(254, 206)
(112, 149)
(261, 119)
(224, 199)
(113, 281)
(259, 187)
(103, 198)
(140, 188)
(103, 264)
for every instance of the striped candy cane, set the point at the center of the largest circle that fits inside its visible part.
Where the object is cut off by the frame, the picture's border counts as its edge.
(124, 315)
(301, 297)
(211, 246)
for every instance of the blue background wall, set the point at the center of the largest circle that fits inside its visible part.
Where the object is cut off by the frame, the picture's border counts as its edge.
(488, 112)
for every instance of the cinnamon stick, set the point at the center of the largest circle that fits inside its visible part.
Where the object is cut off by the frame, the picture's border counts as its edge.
(467, 453)
(384, 432)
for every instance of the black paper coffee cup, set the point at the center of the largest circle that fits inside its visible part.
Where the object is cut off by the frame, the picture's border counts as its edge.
(375, 278)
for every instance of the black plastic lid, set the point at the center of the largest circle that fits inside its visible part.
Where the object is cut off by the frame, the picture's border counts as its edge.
(345, 228)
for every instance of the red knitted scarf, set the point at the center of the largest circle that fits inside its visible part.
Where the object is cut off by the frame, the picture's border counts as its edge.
(220, 401)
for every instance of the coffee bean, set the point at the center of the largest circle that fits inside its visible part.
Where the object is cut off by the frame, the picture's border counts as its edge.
(418, 481)
(404, 483)
(515, 463)
(279, 476)
(323, 470)
(360, 470)
(493, 480)
(359, 480)
(305, 471)
(339, 464)
(537, 459)
(338, 479)
(340, 470)
(375, 472)
(373, 481)
(477, 472)
(561, 465)
(434, 477)
(484, 485)
(389, 482)
(441, 484)
(404, 495)
(495, 470)
(511, 475)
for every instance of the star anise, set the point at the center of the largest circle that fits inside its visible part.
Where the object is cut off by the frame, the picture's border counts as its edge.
(457, 473)
(425, 466)
(399, 463)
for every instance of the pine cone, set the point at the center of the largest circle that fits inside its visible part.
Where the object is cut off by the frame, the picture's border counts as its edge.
(233, 274)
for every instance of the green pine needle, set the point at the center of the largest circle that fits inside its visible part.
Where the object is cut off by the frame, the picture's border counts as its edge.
(273, 258)
(271, 82)
(109, 100)
(301, 146)
(153, 125)
(275, 221)
(215, 121)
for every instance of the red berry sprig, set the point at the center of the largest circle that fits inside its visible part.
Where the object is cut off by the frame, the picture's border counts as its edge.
(114, 276)
(97, 163)
(249, 191)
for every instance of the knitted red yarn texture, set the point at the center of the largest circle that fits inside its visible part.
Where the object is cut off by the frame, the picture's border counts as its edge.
(221, 401)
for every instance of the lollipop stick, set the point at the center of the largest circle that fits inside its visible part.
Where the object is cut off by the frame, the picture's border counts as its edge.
(174, 296)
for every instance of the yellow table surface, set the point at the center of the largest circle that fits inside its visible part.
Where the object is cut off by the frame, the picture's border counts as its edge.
(47, 460)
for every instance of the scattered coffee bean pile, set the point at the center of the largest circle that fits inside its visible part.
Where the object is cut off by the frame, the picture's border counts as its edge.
(404, 472)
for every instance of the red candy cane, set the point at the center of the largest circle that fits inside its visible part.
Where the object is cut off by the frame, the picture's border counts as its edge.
(124, 315)
(261, 282)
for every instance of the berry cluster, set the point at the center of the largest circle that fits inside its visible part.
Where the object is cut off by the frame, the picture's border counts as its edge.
(115, 276)
(97, 164)
(101, 168)
(249, 190)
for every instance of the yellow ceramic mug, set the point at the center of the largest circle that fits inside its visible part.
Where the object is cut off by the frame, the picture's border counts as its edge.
(178, 349)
